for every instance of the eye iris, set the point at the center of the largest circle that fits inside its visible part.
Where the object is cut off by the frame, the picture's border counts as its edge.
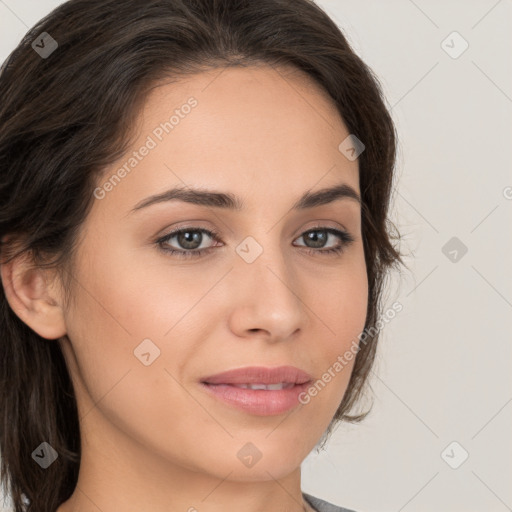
(185, 238)
(318, 240)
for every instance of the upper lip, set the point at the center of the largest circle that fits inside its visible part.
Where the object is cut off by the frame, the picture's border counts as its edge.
(260, 375)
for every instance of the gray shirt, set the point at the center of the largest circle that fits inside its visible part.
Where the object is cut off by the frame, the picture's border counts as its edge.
(324, 506)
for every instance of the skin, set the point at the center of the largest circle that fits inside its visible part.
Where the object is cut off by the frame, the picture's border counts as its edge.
(151, 438)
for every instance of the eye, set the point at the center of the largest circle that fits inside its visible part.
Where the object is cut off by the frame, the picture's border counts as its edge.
(316, 240)
(191, 238)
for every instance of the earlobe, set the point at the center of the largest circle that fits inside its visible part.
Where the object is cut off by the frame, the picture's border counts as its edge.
(27, 290)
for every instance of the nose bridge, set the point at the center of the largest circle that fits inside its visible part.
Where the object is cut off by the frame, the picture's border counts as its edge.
(268, 284)
(263, 259)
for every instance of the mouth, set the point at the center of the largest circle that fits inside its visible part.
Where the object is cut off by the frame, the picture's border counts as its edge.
(258, 399)
(259, 391)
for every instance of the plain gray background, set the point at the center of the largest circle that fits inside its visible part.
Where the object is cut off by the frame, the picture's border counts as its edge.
(442, 379)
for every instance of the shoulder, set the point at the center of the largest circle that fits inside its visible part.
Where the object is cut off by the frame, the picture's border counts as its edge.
(324, 506)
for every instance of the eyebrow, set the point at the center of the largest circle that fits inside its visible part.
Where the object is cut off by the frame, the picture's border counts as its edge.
(229, 201)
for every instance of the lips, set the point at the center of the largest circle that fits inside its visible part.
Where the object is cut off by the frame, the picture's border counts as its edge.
(260, 375)
(264, 400)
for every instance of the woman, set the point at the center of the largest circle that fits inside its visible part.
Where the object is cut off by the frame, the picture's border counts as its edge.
(194, 240)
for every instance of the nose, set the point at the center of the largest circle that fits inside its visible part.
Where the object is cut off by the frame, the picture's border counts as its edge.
(267, 298)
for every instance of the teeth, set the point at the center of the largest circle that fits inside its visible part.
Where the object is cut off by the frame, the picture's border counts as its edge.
(268, 387)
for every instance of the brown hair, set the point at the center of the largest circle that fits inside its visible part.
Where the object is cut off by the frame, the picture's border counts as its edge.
(66, 117)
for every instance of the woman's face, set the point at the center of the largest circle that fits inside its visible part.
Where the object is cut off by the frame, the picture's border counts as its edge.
(146, 326)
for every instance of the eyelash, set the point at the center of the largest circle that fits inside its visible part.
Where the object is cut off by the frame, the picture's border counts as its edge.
(346, 240)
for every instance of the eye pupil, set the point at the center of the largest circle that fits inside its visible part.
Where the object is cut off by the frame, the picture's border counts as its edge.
(318, 240)
(186, 239)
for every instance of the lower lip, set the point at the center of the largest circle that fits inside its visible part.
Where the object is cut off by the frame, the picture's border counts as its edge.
(258, 401)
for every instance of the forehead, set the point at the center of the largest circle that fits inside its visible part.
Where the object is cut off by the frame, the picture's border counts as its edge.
(261, 132)
(255, 96)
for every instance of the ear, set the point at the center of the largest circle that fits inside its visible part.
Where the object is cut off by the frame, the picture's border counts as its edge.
(32, 295)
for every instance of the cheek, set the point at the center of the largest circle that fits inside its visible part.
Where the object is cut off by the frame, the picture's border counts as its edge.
(340, 300)
(342, 309)
(114, 313)
(133, 312)
(134, 292)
